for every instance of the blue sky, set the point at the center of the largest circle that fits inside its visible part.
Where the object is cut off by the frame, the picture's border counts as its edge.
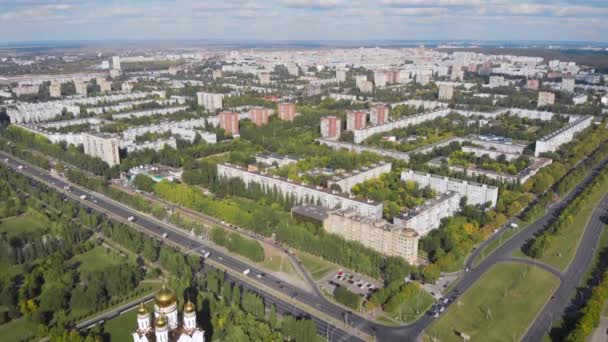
(26, 20)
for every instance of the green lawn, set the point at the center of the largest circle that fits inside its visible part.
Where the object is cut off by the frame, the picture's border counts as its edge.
(278, 263)
(563, 246)
(97, 259)
(317, 267)
(16, 330)
(490, 248)
(412, 308)
(31, 222)
(120, 328)
(485, 314)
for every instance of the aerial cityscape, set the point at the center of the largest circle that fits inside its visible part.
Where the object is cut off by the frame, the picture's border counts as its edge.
(303, 170)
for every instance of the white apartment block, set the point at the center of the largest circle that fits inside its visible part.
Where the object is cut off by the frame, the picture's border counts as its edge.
(376, 234)
(55, 90)
(346, 181)
(337, 145)
(210, 101)
(499, 144)
(579, 99)
(131, 133)
(105, 147)
(362, 134)
(428, 216)
(479, 151)
(190, 134)
(341, 75)
(379, 78)
(26, 112)
(149, 112)
(477, 194)
(157, 145)
(303, 192)
(563, 135)
(26, 90)
(446, 92)
(427, 105)
(271, 159)
(116, 62)
(568, 84)
(496, 81)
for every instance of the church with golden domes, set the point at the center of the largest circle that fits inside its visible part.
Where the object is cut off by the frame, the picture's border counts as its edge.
(165, 327)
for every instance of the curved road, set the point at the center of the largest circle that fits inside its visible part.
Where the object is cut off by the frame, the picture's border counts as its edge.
(380, 332)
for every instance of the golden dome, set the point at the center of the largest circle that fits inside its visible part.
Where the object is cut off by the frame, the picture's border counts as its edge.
(142, 310)
(189, 307)
(161, 321)
(165, 297)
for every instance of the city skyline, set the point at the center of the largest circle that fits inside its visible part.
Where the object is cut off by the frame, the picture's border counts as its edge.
(491, 20)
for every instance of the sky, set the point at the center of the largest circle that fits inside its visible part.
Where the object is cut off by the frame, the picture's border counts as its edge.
(47, 20)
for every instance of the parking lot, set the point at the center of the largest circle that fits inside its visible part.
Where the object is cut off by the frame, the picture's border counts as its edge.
(356, 283)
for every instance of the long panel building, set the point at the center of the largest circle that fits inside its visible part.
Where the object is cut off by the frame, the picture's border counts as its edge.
(476, 193)
(302, 192)
(348, 180)
(428, 216)
(554, 140)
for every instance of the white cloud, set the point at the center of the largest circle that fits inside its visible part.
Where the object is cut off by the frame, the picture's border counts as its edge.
(410, 11)
(314, 4)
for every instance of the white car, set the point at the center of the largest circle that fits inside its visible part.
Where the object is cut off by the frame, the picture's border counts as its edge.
(246, 272)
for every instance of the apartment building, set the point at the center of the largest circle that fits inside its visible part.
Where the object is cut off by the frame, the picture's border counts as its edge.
(378, 113)
(331, 127)
(427, 217)
(272, 159)
(545, 98)
(259, 115)
(341, 75)
(229, 121)
(210, 101)
(376, 234)
(568, 84)
(149, 112)
(287, 111)
(355, 119)
(55, 89)
(347, 180)
(563, 135)
(446, 92)
(533, 84)
(302, 192)
(103, 146)
(477, 194)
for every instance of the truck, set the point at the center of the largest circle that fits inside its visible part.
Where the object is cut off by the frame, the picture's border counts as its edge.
(131, 218)
(246, 272)
(83, 197)
(514, 225)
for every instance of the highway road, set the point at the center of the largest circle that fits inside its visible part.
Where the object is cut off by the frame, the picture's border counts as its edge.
(159, 228)
(565, 295)
(380, 332)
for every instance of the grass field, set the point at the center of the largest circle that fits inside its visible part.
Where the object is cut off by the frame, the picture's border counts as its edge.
(97, 259)
(120, 328)
(317, 267)
(486, 314)
(17, 330)
(563, 246)
(413, 308)
(490, 248)
(25, 224)
(278, 263)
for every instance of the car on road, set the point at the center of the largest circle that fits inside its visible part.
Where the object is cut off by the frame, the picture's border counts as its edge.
(131, 218)
(83, 197)
(246, 272)
(165, 235)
